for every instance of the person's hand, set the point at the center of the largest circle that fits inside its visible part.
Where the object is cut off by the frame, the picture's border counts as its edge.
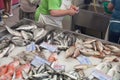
(75, 8)
(72, 12)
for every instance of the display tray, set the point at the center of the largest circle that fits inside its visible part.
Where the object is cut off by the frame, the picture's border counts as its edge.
(56, 52)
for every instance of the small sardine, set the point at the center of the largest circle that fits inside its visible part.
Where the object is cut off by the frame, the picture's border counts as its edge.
(13, 32)
(27, 27)
(4, 51)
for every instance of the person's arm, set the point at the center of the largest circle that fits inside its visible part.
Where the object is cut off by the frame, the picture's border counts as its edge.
(54, 7)
(110, 6)
(57, 13)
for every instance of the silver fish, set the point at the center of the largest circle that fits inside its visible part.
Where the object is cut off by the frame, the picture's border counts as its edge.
(11, 47)
(18, 41)
(69, 75)
(24, 35)
(3, 52)
(104, 67)
(4, 43)
(27, 27)
(13, 32)
(115, 72)
(38, 35)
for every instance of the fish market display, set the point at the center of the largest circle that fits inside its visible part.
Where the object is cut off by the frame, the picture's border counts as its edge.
(31, 52)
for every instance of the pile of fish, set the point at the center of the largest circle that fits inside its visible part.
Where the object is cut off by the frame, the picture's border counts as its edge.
(24, 34)
(62, 39)
(76, 46)
(91, 47)
(70, 44)
(13, 71)
(106, 68)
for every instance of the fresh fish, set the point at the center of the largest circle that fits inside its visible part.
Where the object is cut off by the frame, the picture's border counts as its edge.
(40, 75)
(106, 52)
(106, 48)
(3, 70)
(4, 43)
(27, 27)
(83, 66)
(11, 47)
(89, 52)
(24, 35)
(76, 74)
(4, 51)
(6, 77)
(70, 76)
(13, 32)
(18, 41)
(52, 57)
(104, 67)
(110, 58)
(114, 48)
(5, 61)
(88, 46)
(79, 41)
(115, 72)
(76, 53)
(89, 41)
(25, 67)
(39, 34)
(94, 46)
(27, 35)
(99, 46)
(25, 75)
(10, 71)
(70, 51)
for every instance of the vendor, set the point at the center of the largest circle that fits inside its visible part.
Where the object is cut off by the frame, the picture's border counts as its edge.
(51, 12)
(114, 27)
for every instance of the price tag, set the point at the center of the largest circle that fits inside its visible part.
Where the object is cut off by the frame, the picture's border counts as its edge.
(100, 75)
(37, 61)
(58, 67)
(49, 47)
(83, 60)
(31, 47)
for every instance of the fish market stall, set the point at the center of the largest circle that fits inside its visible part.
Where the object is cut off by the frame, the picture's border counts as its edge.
(32, 52)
